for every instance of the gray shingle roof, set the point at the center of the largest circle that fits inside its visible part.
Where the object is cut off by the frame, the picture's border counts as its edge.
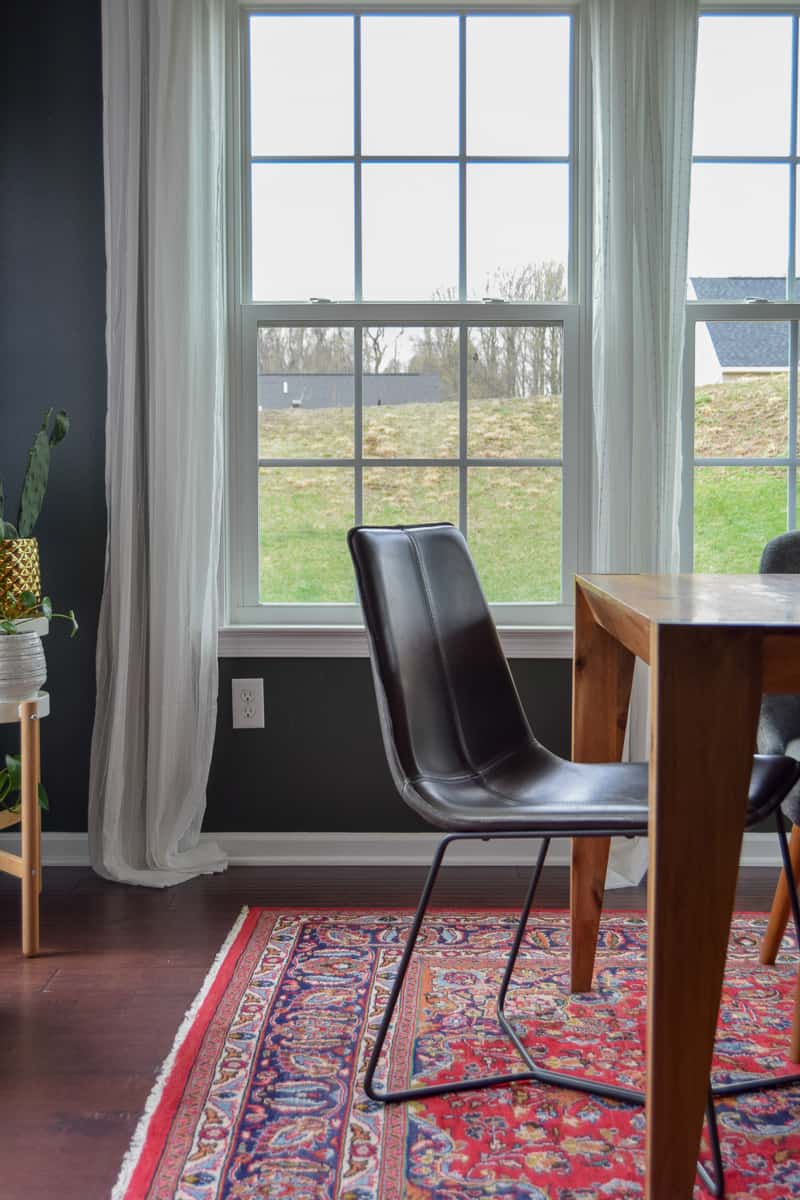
(757, 344)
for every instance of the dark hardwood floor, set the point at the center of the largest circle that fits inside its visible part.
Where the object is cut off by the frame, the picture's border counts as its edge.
(86, 1025)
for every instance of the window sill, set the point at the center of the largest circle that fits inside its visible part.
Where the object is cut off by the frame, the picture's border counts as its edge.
(342, 641)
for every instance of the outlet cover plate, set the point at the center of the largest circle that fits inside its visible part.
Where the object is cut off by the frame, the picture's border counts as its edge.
(248, 703)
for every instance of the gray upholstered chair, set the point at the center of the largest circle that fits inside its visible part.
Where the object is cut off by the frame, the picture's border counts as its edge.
(779, 733)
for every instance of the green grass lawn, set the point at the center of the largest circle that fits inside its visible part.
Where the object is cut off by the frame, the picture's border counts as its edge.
(514, 512)
(738, 509)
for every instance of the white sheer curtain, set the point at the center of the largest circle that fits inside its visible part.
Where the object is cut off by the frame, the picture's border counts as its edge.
(643, 56)
(164, 122)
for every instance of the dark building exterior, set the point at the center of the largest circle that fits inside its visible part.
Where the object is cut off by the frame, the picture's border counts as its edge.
(336, 390)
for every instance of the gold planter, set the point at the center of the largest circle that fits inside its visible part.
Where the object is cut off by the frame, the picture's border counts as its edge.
(19, 572)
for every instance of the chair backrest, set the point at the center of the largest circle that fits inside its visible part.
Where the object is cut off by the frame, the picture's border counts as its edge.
(781, 556)
(780, 714)
(446, 699)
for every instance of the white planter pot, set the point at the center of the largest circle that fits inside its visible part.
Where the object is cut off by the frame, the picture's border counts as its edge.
(23, 669)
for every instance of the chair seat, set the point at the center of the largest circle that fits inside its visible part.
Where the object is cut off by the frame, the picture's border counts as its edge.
(534, 789)
(791, 805)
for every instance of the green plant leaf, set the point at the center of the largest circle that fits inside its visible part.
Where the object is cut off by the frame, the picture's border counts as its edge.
(60, 428)
(46, 607)
(8, 626)
(75, 625)
(34, 484)
(46, 419)
(11, 781)
(28, 600)
(14, 771)
(8, 531)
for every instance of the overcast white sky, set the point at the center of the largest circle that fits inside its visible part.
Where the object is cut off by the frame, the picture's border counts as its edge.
(517, 103)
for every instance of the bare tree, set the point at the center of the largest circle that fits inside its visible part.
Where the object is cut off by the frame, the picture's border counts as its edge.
(504, 360)
(374, 348)
(305, 350)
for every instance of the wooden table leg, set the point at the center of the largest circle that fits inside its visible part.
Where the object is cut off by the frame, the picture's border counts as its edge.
(781, 905)
(794, 1042)
(31, 870)
(602, 674)
(705, 697)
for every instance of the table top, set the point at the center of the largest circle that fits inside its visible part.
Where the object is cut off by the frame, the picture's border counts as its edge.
(738, 600)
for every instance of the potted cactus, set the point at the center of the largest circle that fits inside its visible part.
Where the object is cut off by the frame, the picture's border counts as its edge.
(19, 549)
(24, 612)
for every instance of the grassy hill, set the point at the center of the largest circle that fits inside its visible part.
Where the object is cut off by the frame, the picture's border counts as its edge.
(738, 509)
(514, 512)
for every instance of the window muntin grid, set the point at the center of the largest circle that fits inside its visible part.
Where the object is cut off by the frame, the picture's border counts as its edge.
(780, 469)
(363, 464)
(460, 310)
(558, 181)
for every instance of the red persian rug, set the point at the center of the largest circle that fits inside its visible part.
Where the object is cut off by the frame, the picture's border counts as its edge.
(262, 1098)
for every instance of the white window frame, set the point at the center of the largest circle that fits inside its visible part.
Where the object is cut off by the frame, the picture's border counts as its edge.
(700, 312)
(337, 628)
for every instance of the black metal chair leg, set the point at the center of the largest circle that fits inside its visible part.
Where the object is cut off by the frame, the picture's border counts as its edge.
(714, 1182)
(713, 1179)
(794, 899)
(769, 1082)
(464, 1085)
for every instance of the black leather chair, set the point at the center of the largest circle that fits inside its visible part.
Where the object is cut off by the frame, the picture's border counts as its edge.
(463, 756)
(779, 733)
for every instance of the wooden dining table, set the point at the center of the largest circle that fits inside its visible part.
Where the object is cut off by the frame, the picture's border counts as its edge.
(714, 644)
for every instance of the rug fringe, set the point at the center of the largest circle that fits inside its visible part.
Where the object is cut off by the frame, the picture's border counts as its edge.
(134, 1151)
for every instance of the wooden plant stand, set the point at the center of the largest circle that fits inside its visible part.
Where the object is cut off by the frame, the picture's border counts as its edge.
(27, 866)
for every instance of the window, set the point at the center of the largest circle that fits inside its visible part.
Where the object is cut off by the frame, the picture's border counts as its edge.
(741, 449)
(409, 316)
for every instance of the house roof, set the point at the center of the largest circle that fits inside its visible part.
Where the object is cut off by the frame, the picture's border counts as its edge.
(756, 344)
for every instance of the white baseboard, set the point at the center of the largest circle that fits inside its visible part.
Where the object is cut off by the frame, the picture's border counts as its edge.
(363, 850)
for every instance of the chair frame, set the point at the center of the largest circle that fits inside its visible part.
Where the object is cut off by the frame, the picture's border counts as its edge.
(713, 1178)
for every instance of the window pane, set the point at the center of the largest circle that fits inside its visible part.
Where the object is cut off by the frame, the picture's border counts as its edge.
(301, 85)
(305, 513)
(305, 392)
(515, 531)
(741, 389)
(736, 512)
(514, 391)
(517, 231)
(744, 85)
(409, 85)
(410, 231)
(302, 231)
(518, 85)
(410, 393)
(739, 220)
(410, 495)
(794, 289)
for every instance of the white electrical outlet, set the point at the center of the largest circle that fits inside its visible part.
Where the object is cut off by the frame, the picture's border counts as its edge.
(248, 703)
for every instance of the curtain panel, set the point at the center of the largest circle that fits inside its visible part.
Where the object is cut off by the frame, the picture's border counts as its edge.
(164, 145)
(164, 123)
(643, 57)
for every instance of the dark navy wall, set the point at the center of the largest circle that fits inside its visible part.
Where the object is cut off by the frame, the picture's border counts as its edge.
(319, 763)
(52, 313)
